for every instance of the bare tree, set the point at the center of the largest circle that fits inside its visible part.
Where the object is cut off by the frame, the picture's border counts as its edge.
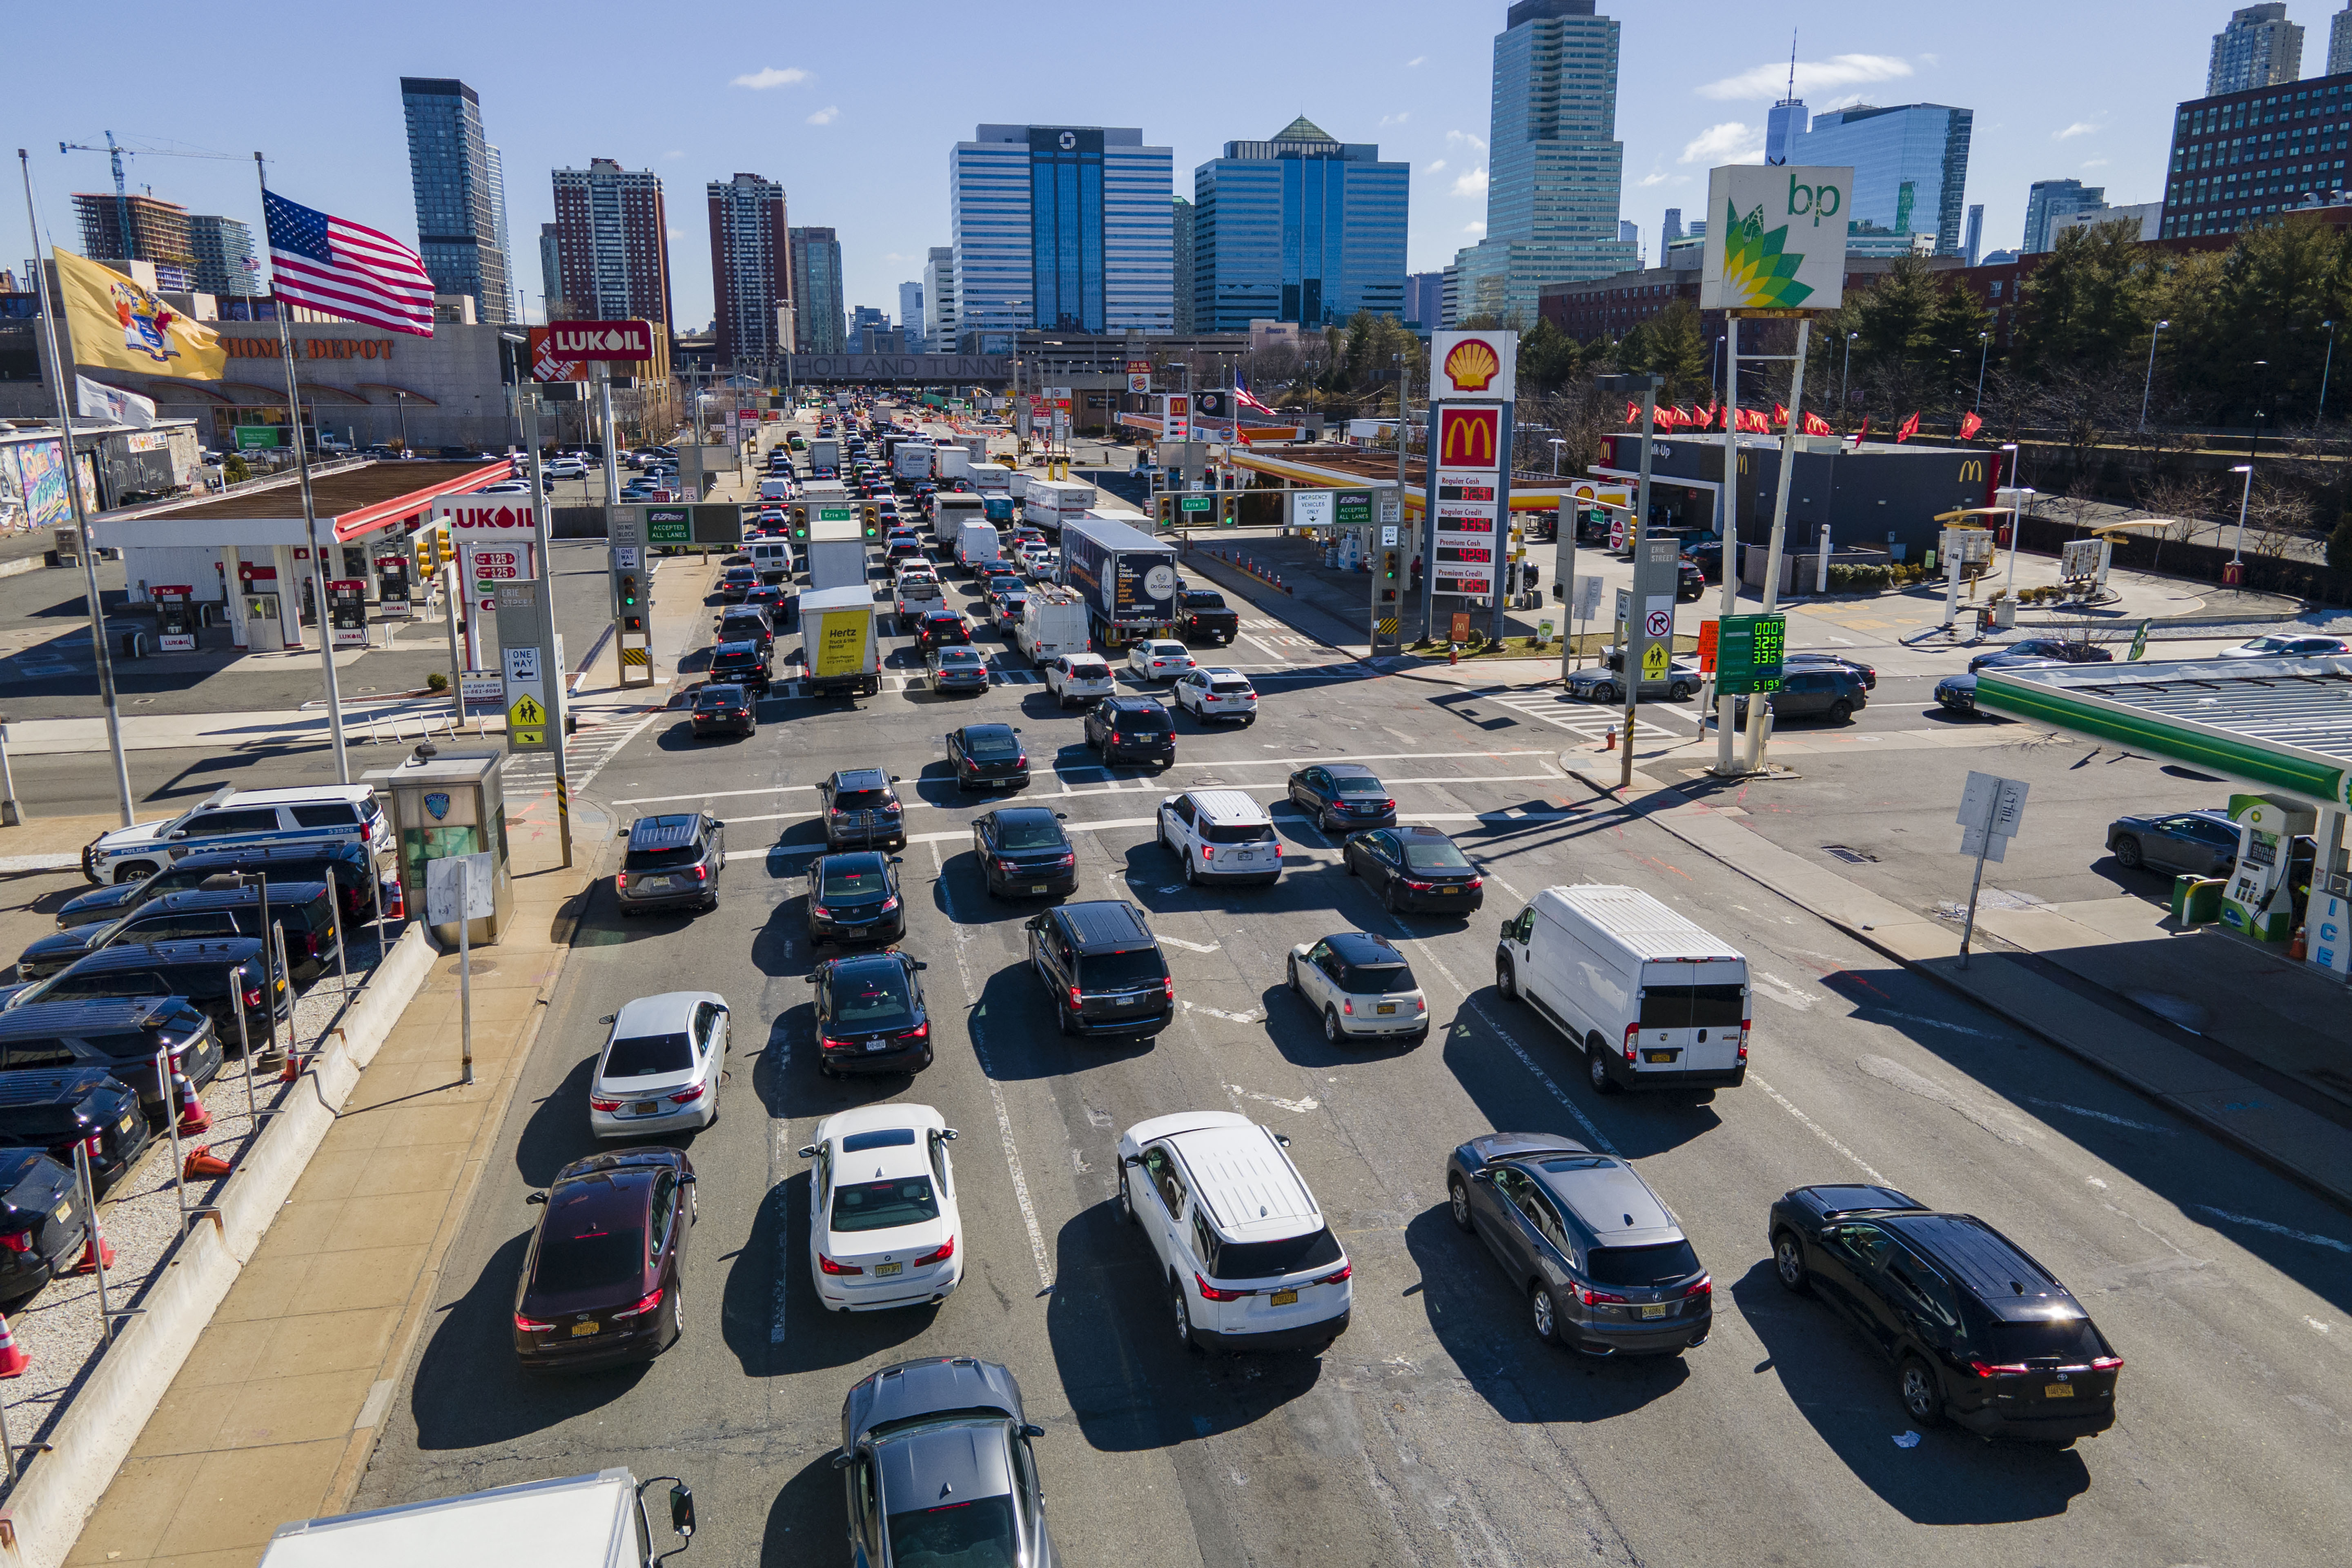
(2179, 501)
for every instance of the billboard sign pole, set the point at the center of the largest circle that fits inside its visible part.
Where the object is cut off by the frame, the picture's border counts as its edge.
(1473, 383)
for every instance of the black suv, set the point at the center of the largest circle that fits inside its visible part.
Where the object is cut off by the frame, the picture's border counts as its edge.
(861, 810)
(746, 664)
(198, 970)
(1981, 1333)
(1132, 728)
(1103, 968)
(870, 1015)
(119, 1035)
(350, 866)
(673, 862)
(85, 1105)
(41, 1230)
(300, 909)
(853, 896)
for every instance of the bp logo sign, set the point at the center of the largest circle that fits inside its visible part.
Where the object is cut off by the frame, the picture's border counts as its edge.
(1776, 237)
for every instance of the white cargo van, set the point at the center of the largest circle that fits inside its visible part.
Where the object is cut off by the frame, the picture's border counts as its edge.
(583, 1522)
(1654, 1000)
(978, 546)
(772, 558)
(1053, 623)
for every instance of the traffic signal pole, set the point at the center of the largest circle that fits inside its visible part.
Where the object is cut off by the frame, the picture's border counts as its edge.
(559, 709)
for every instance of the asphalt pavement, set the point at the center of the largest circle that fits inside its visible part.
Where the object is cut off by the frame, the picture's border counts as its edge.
(1437, 1429)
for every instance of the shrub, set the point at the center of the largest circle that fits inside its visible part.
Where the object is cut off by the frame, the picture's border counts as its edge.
(436, 681)
(232, 469)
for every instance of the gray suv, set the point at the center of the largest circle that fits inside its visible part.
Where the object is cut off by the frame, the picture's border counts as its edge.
(1836, 695)
(673, 862)
(937, 1467)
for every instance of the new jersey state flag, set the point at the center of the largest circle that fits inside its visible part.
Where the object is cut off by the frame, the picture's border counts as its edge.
(119, 325)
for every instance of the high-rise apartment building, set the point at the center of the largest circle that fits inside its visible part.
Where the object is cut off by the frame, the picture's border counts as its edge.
(1424, 299)
(1554, 168)
(2339, 43)
(225, 260)
(1300, 227)
(550, 270)
(2049, 200)
(158, 232)
(2259, 48)
(2241, 157)
(1183, 274)
(459, 209)
(613, 239)
(938, 295)
(817, 291)
(496, 164)
(1974, 241)
(750, 265)
(1910, 170)
(1065, 227)
(910, 313)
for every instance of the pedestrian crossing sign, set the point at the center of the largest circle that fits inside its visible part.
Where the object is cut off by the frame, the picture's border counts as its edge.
(527, 712)
(1654, 661)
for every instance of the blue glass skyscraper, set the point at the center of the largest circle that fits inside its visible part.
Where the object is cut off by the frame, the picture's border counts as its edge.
(460, 201)
(1910, 170)
(1065, 227)
(1299, 228)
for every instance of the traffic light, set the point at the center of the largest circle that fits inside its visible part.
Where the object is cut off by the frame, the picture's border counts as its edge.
(423, 555)
(872, 515)
(629, 594)
(632, 623)
(1392, 564)
(800, 524)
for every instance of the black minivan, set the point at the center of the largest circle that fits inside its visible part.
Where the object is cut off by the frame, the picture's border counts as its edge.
(85, 1105)
(41, 1232)
(1104, 969)
(197, 971)
(300, 909)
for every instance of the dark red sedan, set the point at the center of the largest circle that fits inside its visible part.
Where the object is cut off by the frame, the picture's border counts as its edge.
(600, 1284)
(942, 628)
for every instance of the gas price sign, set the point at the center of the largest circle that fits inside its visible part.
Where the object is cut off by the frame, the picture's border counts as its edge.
(1747, 654)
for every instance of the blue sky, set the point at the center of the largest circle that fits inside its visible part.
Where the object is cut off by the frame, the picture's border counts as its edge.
(863, 101)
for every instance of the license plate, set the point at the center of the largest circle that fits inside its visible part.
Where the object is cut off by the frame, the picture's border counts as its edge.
(1659, 1056)
(1654, 1308)
(885, 1270)
(1449, 889)
(1037, 887)
(655, 884)
(1123, 1000)
(877, 1045)
(1385, 1007)
(643, 1107)
(62, 1214)
(2057, 1391)
(123, 1125)
(1247, 855)
(1283, 1298)
(581, 1331)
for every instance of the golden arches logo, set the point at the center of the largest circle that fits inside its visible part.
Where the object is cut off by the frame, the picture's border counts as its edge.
(1469, 438)
(1973, 469)
(1473, 365)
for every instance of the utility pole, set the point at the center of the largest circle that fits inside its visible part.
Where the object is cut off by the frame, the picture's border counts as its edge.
(1779, 526)
(1724, 706)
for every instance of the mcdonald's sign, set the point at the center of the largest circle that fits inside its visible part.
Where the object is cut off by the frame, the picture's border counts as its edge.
(1972, 470)
(1469, 438)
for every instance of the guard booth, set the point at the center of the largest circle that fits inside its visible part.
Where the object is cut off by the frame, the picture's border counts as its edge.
(446, 803)
(347, 608)
(176, 616)
(392, 580)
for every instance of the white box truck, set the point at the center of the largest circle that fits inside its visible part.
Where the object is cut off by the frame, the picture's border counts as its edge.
(582, 1521)
(978, 546)
(1052, 502)
(954, 463)
(949, 511)
(911, 462)
(839, 652)
(1653, 1000)
(1053, 623)
(992, 478)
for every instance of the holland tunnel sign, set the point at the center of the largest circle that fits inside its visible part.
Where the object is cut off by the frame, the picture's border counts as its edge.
(600, 340)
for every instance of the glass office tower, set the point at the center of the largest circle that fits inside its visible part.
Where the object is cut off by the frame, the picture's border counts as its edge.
(457, 217)
(1062, 227)
(1910, 167)
(1299, 228)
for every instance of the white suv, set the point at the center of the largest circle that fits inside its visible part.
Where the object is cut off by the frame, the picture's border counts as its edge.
(1247, 1260)
(1218, 693)
(1078, 677)
(1220, 835)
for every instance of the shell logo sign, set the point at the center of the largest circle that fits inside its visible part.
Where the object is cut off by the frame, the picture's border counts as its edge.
(1478, 365)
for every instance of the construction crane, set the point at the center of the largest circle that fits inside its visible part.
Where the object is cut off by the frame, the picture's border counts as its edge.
(114, 152)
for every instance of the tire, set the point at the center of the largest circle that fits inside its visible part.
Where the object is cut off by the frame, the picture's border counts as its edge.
(1596, 1072)
(1323, 824)
(1841, 712)
(1544, 1316)
(1332, 1034)
(1609, 694)
(677, 1315)
(1389, 901)
(1507, 983)
(1922, 1395)
(2127, 854)
(136, 871)
(1457, 1205)
(1348, 859)
(1192, 876)
(1789, 1264)
(1062, 1019)
(1678, 693)
(1183, 1314)
(1293, 967)
(1126, 1199)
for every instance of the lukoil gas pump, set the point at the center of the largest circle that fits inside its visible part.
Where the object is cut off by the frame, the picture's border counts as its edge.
(347, 611)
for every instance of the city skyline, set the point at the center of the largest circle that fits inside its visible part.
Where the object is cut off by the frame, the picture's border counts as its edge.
(879, 181)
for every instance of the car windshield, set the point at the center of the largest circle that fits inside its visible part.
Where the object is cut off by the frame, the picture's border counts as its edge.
(1434, 855)
(660, 859)
(975, 1533)
(870, 997)
(1236, 832)
(991, 743)
(1660, 1264)
(720, 697)
(1126, 969)
(1155, 718)
(883, 1205)
(853, 879)
(862, 799)
(1694, 1006)
(1380, 979)
(1268, 1259)
(2069, 1340)
(1035, 834)
(641, 1055)
(1358, 783)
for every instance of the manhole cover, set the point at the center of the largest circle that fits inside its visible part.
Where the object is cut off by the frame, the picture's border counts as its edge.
(1851, 856)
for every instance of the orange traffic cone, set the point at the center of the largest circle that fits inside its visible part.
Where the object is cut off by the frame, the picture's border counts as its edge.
(292, 1070)
(13, 1360)
(92, 1257)
(203, 1163)
(193, 1117)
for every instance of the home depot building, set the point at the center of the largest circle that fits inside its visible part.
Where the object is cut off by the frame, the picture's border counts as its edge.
(1877, 496)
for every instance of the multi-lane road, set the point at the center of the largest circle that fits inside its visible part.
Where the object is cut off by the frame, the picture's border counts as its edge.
(1437, 1430)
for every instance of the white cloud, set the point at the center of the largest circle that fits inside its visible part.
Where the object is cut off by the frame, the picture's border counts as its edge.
(1436, 166)
(772, 76)
(1414, 61)
(825, 116)
(1663, 178)
(674, 153)
(2094, 163)
(1471, 183)
(1476, 229)
(1769, 81)
(1464, 138)
(2080, 128)
(1729, 142)
(1397, 118)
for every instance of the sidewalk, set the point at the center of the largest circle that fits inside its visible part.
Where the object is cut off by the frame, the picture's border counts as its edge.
(2256, 1081)
(274, 1415)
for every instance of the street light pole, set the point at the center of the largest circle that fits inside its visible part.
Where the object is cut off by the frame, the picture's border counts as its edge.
(2148, 384)
(2245, 494)
(1845, 375)
(1984, 348)
(1556, 444)
(2324, 369)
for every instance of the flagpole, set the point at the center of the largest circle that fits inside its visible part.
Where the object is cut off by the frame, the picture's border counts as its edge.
(310, 512)
(53, 315)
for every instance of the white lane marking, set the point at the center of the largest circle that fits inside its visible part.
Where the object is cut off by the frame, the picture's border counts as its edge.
(2275, 1229)
(995, 1093)
(709, 794)
(2096, 1115)
(784, 1149)
(1191, 947)
(2315, 1323)
(632, 733)
(1780, 991)
(1933, 1023)
(1254, 1015)
(1816, 1129)
(1300, 1106)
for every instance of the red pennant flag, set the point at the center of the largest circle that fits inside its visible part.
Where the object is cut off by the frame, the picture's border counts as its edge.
(1970, 425)
(1816, 425)
(1910, 428)
(1751, 420)
(1632, 413)
(1863, 434)
(1670, 417)
(1779, 416)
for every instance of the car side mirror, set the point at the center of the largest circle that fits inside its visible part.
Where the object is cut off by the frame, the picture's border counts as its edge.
(1283, 1138)
(812, 979)
(948, 1134)
(1482, 1175)
(841, 1460)
(807, 1152)
(1132, 1162)
(681, 1509)
(535, 1198)
(687, 1178)
(1033, 1430)
(608, 1017)
(894, 778)
(717, 825)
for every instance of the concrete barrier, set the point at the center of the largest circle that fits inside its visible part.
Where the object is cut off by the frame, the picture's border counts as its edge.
(54, 1497)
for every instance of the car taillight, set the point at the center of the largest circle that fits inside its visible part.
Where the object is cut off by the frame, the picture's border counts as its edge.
(828, 1043)
(2013, 1369)
(1069, 859)
(829, 1267)
(1421, 1005)
(1074, 998)
(1168, 986)
(531, 1325)
(646, 1303)
(1419, 887)
(2108, 1363)
(1346, 1269)
(1632, 1032)
(921, 1031)
(606, 1105)
(1022, 761)
(1743, 1038)
(1210, 1293)
(621, 880)
(311, 943)
(946, 1251)
(1204, 852)
(1474, 883)
(889, 903)
(688, 1095)
(1592, 1298)
(892, 809)
(18, 1241)
(253, 996)
(1706, 1286)
(94, 1145)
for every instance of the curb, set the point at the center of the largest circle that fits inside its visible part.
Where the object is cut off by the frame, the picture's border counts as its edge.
(2327, 1192)
(55, 1497)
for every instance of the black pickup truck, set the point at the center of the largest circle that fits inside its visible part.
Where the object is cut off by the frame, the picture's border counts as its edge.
(1202, 614)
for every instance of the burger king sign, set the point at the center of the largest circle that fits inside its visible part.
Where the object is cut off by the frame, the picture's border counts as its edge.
(1477, 365)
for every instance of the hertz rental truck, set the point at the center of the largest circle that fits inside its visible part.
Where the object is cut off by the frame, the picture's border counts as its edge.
(582, 1521)
(839, 652)
(1127, 577)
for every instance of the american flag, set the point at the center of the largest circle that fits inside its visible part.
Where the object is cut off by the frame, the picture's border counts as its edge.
(338, 267)
(1243, 396)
